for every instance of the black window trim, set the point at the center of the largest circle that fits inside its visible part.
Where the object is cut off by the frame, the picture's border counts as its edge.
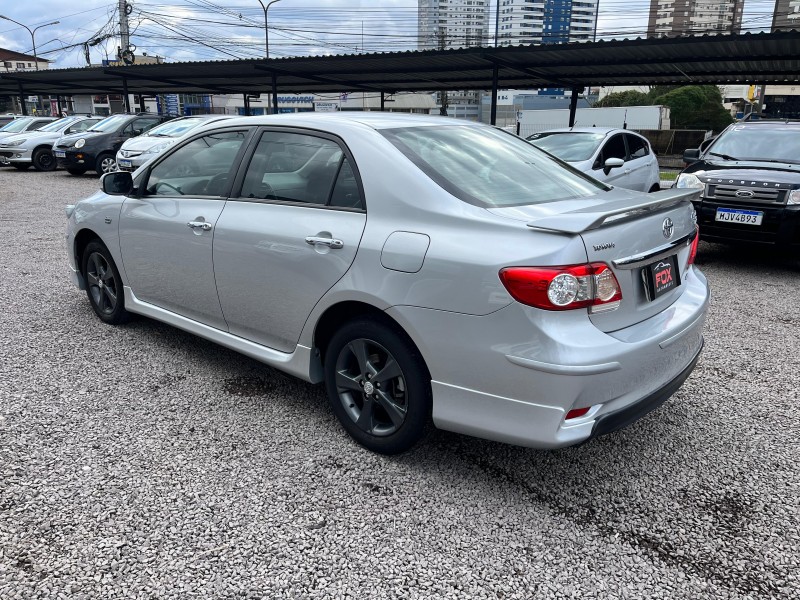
(236, 190)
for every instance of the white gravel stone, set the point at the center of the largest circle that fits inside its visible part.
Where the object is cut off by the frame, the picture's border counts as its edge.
(142, 462)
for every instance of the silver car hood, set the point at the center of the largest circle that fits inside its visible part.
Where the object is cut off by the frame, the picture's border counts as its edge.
(577, 216)
(142, 143)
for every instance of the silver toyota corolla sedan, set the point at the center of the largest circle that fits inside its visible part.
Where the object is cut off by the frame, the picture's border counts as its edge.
(425, 269)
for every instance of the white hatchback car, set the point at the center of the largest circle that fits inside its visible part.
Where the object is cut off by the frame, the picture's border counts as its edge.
(615, 156)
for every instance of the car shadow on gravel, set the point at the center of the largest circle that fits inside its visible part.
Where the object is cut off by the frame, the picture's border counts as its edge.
(747, 258)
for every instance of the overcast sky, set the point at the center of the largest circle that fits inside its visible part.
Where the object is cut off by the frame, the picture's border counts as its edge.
(219, 29)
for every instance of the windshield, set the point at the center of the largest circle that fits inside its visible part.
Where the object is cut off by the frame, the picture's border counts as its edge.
(568, 145)
(489, 167)
(110, 123)
(174, 128)
(16, 125)
(759, 143)
(57, 125)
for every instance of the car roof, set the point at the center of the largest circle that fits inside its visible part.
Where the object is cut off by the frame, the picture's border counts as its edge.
(354, 119)
(603, 130)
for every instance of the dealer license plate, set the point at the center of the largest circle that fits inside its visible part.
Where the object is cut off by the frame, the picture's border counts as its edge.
(124, 163)
(737, 215)
(661, 276)
(60, 154)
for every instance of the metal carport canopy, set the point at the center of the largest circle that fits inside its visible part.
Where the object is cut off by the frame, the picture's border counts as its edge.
(761, 58)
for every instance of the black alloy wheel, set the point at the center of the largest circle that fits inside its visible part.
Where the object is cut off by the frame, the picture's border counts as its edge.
(104, 284)
(378, 386)
(43, 160)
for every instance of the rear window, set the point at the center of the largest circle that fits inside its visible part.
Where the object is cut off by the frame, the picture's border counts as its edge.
(759, 143)
(489, 167)
(571, 146)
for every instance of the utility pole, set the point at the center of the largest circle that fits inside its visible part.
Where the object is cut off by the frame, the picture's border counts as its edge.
(265, 8)
(124, 31)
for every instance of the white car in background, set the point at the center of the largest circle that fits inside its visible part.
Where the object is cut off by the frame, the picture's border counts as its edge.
(137, 151)
(36, 147)
(617, 157)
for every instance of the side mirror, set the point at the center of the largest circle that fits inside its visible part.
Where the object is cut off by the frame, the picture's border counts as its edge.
(612, 163)
(691, 155)
(118, 183)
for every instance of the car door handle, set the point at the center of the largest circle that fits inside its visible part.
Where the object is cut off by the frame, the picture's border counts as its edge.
(199, 225)
(332, 243)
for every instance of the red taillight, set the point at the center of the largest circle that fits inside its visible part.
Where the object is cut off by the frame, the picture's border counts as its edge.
(695, 242)
(562, 288)
(576, 413)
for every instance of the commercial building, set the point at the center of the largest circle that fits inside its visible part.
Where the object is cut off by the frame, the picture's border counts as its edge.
(787, 14)
(546, 21)
(694, 17)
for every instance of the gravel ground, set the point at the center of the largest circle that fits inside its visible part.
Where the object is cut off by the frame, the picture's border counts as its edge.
(142, 462)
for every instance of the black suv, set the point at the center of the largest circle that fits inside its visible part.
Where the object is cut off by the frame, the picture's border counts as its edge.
(750, 177)
(96, 149)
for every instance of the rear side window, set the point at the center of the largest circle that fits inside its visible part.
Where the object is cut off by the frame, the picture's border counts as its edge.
(637, 147)
(489, 167)
(295, 167)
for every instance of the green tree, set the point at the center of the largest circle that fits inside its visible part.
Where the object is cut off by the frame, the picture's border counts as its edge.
(627, 98)
(696, 107)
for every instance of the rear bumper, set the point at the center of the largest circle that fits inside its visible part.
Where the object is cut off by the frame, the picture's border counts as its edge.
(611, 422)
(512, 376)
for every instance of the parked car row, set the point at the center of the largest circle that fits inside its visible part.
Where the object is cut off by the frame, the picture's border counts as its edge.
(80, 143)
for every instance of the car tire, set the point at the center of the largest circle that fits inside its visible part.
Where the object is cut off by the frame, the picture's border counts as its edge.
(21, 166)
(105, 163)
(103, 284)
(378, 385)
(43, 160)
(76, 171)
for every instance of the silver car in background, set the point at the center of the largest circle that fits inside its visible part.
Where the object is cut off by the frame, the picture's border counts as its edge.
(615, 156)
(137, 151)
(425, 269)
(36, 147)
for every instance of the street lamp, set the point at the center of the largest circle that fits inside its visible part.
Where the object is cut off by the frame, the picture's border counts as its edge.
(32, 32)
(266, 28)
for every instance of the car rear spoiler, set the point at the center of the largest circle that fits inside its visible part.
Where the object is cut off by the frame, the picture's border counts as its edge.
(615, 211)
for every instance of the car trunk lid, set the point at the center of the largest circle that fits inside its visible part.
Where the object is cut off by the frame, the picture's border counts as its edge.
(644, 239)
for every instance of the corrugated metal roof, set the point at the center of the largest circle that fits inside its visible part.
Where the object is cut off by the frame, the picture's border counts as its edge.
(720, 59)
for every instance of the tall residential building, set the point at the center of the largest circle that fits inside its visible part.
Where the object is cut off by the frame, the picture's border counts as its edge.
(787, 14)
(453, 24)
(547, 21)
(694, 17)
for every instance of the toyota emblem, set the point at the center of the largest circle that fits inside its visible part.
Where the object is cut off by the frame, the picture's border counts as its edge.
(668, 227)
(744, 194)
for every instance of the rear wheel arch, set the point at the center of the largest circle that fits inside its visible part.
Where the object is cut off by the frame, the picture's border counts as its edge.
(343, 312)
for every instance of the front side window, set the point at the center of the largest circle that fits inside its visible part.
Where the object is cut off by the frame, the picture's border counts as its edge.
(142, 125)
(489, 167)
(614, 148)
(637, 147)
(200, 168)
(295, 167)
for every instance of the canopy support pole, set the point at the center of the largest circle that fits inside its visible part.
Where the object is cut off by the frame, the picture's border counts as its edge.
(495, 76)
(23, 108)
(126, 99)
(383, 102)
(573, 105)
(246, 105)
(274, 93)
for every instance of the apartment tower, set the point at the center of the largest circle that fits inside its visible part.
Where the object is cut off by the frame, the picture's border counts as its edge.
(547, 21)
(453, 24)
(694, 17)
(787, 14)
